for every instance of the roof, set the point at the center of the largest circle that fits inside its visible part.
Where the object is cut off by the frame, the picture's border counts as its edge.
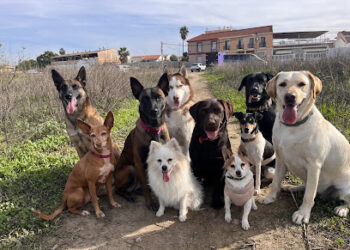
(230, 33)
(82, 53)
(298, 34)
(150, 57)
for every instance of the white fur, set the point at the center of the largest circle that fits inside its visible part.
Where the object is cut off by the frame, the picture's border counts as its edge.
(314, 151)
(255, 151)
(180, 125)
(106, 168)
(239, 184)
(182, 191)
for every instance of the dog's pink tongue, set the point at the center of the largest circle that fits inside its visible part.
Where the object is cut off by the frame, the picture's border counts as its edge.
(166, 176)
(250, 99)
(212, 134)
(177, 103)
(290, 114)
(71, 106)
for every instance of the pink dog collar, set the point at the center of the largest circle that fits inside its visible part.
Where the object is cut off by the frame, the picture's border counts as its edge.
(100, 156)
(150, 130)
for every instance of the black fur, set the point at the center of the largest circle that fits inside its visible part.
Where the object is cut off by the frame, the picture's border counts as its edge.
(256, 84)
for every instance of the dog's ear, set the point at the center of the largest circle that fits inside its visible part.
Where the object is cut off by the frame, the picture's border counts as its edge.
(57, 79)
(242, 151)
(226, 153)
(228, 109)
(316, 84)
(163, 83)
(258, 116)
(269, 76)
(271, 87)
(174, 144)
(243, 82)
(109, 121)
(81, 77)
(194, 110)
(183, 71)
(84, 127)
(136, 87)
(238, 115)
(154, 146)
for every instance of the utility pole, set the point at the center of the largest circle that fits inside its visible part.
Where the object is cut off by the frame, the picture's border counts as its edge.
(161, 53)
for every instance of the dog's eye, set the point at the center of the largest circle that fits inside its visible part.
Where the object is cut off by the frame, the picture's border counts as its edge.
(282, 84)
(170, 160)
(171, 87)
(64, 87)
(242, 165)
(179, 86)
(74, 86)
(301, 84)
(159, 160)
(93, 135)
(104, 134)
(233, 166)
(79, 96)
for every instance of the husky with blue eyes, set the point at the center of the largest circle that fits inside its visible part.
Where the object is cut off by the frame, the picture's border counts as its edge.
(171, 178)
(239, 184)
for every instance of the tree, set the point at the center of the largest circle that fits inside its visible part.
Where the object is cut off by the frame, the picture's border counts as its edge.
(173, 58)
(183, 33)
(184, 57)
(62, 51)
(27, 64)
(123, 53)
(45, 58)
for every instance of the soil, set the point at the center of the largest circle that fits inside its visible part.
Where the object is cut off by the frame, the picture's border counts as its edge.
(135, 227)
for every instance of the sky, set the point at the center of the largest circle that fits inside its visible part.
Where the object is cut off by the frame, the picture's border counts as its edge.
(30, 27)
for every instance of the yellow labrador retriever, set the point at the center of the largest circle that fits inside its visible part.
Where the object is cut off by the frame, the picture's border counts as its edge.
(306, 144)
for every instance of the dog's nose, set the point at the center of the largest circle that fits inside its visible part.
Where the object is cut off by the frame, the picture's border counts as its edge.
(238, 173)
(211, 123)
(246, 130)
(154, 111)
(290, 98)
(176, 98)
(68, 97)
(164, 168)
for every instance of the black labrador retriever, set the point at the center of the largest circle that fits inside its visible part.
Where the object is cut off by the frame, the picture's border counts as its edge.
(208, 137)
(257, 100)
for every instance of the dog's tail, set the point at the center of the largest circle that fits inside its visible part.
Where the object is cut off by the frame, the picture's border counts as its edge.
(196, 196)
(268, 160)
(51, 216)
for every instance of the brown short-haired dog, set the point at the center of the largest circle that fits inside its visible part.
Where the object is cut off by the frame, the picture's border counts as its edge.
(93, 169)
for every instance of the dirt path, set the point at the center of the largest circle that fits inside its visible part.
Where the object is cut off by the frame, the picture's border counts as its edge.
(135, 227)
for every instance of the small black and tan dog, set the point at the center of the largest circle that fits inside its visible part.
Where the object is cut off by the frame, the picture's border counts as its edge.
(257, 100)
(208, 137)
(77, 105)
(151, 126)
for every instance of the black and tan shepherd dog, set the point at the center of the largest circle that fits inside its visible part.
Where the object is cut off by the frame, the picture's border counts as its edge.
(151, 126)
(77, 105)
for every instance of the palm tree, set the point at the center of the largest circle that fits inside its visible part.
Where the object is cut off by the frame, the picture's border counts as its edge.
(183, 33)
(123, 53)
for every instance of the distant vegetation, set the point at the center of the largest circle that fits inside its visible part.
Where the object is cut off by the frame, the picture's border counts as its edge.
(123, 53)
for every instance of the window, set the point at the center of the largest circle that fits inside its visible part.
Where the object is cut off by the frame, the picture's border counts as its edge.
(240, 44)
(262, 42)
(199, 59)
(213, 46)
(227, 45)
(199, 47)
(251, 43)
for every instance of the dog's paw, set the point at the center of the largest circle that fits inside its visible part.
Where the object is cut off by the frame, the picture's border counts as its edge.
(267, 199)
(228, 218)
(100, 214)
(116, 204)
(85, 213)
(269, 173)
(254, 206)
(152, 205)
(160, 213)
(245, 224)
(341, 211)
(182, 218)
(301, 216)
(257, 191)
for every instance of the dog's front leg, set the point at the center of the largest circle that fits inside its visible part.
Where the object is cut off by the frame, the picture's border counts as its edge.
(161, 208)
(110, 193)
(276, 182)
(227, 208)
(183, 208)
(92, 190)
(303, 214)
(246, 210)
(257, 178)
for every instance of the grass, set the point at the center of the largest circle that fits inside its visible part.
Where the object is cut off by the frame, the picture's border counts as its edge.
(334, 105)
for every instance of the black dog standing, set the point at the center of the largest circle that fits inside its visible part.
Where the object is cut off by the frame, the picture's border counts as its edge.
(208, 137)
(257, 100)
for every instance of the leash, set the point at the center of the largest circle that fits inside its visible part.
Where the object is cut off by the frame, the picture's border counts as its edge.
(299, 122)
(151, 130)
(100, 156)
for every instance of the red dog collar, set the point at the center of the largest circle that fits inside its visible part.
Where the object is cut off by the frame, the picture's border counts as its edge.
(100, 156)
(150, 130)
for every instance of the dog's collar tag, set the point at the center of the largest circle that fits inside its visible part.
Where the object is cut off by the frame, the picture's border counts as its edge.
(299, 122)
(150, 130)
(100, 156)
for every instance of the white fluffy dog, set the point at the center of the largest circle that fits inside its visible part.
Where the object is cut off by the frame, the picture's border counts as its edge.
(171, 178)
